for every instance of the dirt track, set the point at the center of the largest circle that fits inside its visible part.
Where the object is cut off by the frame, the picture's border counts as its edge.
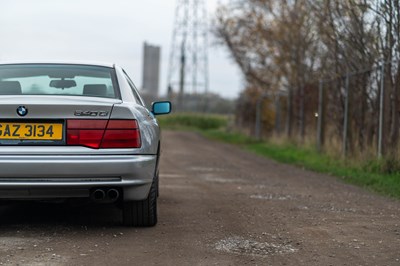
(218, 205)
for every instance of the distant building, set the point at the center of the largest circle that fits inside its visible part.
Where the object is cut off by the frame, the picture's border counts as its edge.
(151, 71)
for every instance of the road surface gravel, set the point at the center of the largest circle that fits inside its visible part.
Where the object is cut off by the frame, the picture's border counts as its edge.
(218, 205)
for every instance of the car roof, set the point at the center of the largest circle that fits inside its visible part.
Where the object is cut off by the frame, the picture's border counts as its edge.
(63, 62)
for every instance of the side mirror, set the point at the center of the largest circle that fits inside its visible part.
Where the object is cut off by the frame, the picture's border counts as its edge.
(161, 108)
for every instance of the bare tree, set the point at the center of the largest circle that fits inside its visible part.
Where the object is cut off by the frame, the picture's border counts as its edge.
(288, 45)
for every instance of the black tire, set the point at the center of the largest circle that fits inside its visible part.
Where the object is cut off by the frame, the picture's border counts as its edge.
(157, 185)
(141, 213)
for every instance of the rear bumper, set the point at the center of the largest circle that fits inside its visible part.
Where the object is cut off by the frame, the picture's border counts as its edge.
(65, 176)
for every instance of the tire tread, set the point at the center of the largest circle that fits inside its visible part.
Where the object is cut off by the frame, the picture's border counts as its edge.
(141, 213)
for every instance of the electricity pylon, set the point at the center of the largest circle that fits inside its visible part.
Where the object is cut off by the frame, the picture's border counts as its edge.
(188, 61)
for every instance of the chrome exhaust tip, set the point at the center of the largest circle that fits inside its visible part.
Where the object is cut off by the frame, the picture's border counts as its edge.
(98, 195)
(113, 194)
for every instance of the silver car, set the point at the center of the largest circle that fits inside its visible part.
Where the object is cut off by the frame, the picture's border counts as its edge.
(70, 130)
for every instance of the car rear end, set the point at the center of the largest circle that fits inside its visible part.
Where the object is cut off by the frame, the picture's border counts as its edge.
(66, 131)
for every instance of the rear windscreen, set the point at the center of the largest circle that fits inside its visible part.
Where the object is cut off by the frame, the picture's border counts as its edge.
(56, 79)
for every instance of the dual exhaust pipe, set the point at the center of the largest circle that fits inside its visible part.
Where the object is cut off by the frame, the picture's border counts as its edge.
(105, 195)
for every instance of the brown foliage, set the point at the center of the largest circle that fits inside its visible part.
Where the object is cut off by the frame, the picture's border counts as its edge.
(286, 46)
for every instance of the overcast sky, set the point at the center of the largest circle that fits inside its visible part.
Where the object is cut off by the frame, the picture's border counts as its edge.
(97, 30)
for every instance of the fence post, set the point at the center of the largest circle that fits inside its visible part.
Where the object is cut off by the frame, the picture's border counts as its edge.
(289, 111)
(258, 118)
(302, 114)
(320, 133)
(278, 114)
(382, 95)
(346, 116)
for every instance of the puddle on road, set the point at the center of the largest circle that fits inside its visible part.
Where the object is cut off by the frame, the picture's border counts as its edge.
(271, 197)
(242, 246)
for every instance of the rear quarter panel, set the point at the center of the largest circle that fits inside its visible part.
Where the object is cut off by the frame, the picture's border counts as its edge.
(149, 128)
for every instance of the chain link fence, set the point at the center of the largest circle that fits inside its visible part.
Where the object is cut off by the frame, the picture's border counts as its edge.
(348, 113)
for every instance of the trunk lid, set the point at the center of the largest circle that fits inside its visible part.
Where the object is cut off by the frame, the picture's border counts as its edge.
(41, 120)
(56, 107)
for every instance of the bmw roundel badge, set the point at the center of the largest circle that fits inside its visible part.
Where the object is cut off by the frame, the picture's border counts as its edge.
(22, 111)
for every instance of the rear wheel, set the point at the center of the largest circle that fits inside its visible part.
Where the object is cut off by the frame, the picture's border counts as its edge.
(157, 185)
(143, 212)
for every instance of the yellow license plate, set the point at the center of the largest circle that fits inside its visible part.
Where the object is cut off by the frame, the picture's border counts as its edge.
(31, 131)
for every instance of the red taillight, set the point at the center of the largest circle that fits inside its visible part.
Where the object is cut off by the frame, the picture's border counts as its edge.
(121, 134)
(103, 133)
(122, 124)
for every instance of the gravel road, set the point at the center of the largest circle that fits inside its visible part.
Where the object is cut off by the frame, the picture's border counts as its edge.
(218, 205)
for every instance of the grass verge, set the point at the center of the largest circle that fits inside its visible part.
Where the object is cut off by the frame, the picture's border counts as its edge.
(371, 175)
(193, 121)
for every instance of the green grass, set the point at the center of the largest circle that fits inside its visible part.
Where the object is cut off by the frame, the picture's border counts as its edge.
(379, 176)
(192, 121)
